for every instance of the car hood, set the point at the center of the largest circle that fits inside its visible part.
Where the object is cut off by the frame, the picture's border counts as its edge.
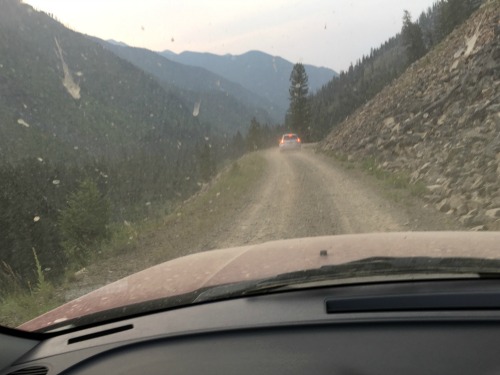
(233, 265)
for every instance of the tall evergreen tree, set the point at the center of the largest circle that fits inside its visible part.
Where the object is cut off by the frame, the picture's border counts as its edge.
(298, 114)
(412, 38)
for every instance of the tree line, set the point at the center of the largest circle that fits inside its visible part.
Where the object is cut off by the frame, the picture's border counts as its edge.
(340, 97)
(63, 211)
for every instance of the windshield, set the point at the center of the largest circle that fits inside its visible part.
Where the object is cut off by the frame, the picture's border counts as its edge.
(147, 136)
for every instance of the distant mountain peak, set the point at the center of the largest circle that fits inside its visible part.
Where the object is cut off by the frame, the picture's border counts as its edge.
(117, 43)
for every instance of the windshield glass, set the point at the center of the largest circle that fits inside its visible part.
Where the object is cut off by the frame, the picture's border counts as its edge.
(134, 133)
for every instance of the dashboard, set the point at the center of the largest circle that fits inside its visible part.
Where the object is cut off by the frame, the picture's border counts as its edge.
(419, 327)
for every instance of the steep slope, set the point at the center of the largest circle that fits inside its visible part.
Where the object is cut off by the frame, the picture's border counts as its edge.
(263, 74)
(64, 96)
(440, 122)
(222, 103)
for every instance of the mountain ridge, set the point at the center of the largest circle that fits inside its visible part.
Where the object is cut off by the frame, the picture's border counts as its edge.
(261, 73)
(221, 100)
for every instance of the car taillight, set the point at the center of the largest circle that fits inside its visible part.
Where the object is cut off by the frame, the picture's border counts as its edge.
(298, 140)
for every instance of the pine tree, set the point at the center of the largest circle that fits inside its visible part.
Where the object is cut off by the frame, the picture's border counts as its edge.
(412, 38)
(84, 221)
(298, 114)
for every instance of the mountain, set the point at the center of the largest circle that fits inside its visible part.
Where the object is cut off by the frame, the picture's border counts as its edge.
(263, 74)
(439, 124)
(223, 104)
(64, 96)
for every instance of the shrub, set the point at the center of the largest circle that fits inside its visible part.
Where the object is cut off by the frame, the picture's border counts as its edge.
(84, 222)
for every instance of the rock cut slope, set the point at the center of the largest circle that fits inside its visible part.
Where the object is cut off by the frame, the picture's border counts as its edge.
(440, 122)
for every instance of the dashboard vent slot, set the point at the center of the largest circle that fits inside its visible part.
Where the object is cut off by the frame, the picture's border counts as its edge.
(32, 370)
(100, 334)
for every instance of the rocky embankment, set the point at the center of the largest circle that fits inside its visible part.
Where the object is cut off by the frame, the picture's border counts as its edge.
(440, 122)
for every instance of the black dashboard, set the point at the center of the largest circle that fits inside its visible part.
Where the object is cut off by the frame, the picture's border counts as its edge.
(420, 327)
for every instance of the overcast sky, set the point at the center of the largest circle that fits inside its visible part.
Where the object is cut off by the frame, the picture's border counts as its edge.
(330, 33)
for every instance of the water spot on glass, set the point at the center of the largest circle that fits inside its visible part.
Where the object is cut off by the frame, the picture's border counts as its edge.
(36, 218)
(79, 74)
(151, 115)
(25, 106)
(188, 178)
(39, 159)
(207, 139)
(56, 182)
(75, 148)
(148, 203)
(218, 194)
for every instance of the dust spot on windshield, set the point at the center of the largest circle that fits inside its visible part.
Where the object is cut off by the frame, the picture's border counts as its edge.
(68, 81)
(196, 109)
(23, 123)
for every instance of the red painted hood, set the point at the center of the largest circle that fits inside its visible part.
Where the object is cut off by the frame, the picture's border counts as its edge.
(216, 267)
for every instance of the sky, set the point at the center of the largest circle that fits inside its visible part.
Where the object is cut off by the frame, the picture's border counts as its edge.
(329, 33)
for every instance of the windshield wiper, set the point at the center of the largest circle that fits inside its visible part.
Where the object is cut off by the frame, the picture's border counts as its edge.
(387, 268)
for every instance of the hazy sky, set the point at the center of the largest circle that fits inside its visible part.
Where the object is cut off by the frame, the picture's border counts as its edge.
(329, 33)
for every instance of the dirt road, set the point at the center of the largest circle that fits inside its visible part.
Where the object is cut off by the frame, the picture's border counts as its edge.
(300, 194)
(305, 194)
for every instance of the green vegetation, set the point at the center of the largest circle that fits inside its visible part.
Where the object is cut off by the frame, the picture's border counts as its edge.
(19, 305)
(413, 41)
(396, 184)
(196, 217)
(298, 116)
(84, 222)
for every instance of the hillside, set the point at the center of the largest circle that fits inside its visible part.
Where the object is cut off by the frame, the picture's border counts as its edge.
(65, 97)
(223, 103)
(440, 122)
(263, 74)
(78, 122)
